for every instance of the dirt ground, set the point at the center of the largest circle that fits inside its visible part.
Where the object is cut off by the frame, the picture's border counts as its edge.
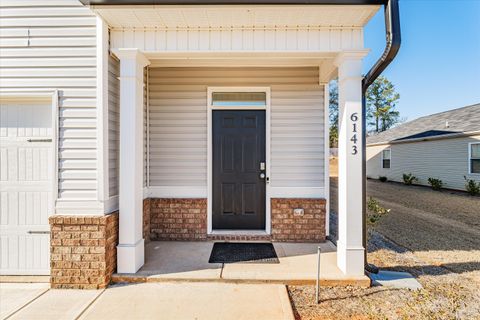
(433, 235)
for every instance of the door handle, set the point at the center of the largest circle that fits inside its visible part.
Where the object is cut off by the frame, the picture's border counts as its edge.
(39, 140)
(262, 175)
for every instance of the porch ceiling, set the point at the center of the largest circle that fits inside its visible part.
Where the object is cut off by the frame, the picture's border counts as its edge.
(235, 16)
(325, 61)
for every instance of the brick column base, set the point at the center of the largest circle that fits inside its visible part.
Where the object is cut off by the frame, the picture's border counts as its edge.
(83, 250)
(307, 227)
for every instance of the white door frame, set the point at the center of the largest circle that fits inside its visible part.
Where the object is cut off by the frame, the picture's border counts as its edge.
(210, 109)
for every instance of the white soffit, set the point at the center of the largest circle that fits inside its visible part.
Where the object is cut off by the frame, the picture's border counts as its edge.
(238, 16)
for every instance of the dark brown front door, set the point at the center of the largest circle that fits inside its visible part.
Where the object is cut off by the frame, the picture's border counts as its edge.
(238, 175)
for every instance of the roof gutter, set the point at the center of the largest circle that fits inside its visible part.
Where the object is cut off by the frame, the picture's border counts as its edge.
(393, 39)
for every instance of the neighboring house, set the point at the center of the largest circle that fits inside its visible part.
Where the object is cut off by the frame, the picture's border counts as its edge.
(444, 145)
(123, 123)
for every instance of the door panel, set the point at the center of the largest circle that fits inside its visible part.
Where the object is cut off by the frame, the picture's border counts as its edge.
(26, 174)
(238, 150)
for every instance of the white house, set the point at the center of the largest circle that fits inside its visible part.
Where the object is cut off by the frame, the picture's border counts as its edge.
(443, 146)
(193, 120)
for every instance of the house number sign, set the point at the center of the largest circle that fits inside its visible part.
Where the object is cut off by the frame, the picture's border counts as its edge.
(354, 139)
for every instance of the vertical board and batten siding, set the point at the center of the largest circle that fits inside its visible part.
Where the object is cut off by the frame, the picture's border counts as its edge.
(113, 124)
(51, 45)
(178, 123)
(326, 40)
(445, 159)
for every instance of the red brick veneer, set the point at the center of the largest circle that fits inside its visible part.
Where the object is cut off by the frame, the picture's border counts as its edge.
(178, 219)
(83, 250)
(307, 228)
(186, 219)
(146, 219)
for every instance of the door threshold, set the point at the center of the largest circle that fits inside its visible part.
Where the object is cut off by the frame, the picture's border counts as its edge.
(239, 232)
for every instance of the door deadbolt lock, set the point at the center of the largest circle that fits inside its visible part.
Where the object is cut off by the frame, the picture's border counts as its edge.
(262, 166)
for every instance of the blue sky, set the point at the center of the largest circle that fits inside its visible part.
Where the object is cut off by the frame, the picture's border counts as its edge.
(438, 66)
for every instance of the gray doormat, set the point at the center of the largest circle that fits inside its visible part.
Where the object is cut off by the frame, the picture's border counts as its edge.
(231, 252)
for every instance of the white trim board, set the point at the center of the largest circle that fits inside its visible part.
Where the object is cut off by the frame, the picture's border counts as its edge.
(210, 109)
(102, 112)
(326, 156)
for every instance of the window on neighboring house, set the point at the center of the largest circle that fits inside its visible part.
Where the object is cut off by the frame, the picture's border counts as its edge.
(386, 158)
(475, 158)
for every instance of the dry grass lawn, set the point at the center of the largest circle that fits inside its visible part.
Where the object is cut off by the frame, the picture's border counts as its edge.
(433, 235)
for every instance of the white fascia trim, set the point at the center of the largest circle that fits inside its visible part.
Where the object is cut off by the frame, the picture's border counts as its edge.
(102, 111)
(176, 192)
(298, 192)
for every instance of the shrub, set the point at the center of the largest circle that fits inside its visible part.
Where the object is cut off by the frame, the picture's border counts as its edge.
(436, 184)
(375, 210)
(409, 178)
(472, 187)
(382, 178)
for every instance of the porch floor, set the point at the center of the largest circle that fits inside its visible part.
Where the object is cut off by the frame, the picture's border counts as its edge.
(188, 261)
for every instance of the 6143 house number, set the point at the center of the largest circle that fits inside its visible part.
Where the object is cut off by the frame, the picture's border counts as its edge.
(354, 139)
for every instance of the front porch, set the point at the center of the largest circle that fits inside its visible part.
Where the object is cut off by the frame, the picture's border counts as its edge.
(167, 261)
(219, 132)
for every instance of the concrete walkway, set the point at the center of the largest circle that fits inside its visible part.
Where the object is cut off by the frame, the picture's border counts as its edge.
(188, 261)
(147, 301)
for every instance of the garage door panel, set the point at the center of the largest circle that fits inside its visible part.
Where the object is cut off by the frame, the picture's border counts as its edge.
(26, 188)
(24, 254)
(25, 120)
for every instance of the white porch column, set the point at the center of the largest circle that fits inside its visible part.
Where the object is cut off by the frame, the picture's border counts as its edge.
(131, 248)
(350, 251)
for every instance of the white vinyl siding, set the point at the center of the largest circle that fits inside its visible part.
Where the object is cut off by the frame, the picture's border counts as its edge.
(48, 45)
(178, 123)
(445, 159)
(113, 124)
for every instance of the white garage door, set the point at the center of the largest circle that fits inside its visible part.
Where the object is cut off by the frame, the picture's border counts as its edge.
(26, 185)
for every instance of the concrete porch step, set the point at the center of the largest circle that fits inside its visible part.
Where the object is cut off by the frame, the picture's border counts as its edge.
(169, 261)
(362, 281)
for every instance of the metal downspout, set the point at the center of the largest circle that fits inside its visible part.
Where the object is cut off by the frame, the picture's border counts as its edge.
(393, 41)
